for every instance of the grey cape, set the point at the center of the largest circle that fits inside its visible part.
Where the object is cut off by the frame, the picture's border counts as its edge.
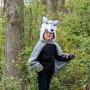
(37, 66)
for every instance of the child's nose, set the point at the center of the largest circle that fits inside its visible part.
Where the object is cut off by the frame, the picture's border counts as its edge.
(48, 33)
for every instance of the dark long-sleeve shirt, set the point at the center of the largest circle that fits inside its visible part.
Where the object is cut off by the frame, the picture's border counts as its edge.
(48, 55)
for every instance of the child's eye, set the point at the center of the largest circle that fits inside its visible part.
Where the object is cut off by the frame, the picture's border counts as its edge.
(46, 33)
(50, 33)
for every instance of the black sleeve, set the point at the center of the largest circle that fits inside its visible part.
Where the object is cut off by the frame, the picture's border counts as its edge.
(62, 58)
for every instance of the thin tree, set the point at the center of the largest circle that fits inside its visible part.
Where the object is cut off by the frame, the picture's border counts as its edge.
(62, 6)
(14, 37)
(4, 5)
(54, 5)
(44, 2)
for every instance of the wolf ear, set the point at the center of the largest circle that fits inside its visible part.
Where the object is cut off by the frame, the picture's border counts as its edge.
(45, 19)
(55, 22)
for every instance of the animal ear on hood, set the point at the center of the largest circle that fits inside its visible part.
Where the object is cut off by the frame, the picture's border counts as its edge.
(45, 20)
(55, 22)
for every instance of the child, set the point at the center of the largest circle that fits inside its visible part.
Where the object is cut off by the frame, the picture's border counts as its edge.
(47, 57)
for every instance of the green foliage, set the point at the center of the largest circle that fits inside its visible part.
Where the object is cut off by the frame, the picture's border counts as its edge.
(73, 37)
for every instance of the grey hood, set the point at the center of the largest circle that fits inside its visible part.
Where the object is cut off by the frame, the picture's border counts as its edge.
(49, 25)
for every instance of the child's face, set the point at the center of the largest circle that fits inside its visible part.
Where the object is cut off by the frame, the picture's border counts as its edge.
(48, 36)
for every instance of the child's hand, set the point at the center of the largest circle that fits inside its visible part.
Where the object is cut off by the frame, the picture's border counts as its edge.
(70, 56)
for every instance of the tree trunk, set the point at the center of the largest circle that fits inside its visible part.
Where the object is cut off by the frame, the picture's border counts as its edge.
(62, 7)
(44, 2)
(14, 36)
(54, 5)
(4, 5)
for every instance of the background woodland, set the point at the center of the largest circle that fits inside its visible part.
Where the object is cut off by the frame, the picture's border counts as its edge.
(20, 23)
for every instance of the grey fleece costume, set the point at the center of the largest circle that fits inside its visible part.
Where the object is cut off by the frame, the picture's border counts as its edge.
(51, 26)
(36, 65)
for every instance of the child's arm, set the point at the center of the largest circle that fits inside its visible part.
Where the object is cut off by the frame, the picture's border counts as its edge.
(65, 58)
